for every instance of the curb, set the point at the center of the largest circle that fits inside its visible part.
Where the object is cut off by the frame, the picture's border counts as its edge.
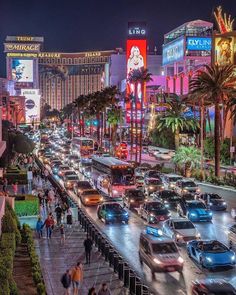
(217, 186)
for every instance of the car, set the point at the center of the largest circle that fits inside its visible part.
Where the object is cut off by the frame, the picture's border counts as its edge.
(194, 210)
(139, 181)
(232, 235)
(169, 180)
(140, 171)
(152, 174)
(55, 162)
(163, 155)
(91, 197)
(180, 229)
(152, 185)
(213, 201)
(62, 169)
(69, 172)
(210, 253)
(159, 252)
(81, 186)
(212, 287)
(72, 159)
(133, 198)
(186, 186)
(70, 181)
(112, 212)
(76, 164)
(47, 157)
(170, 198)
(233, 213)
(154, 212)
(55, 168)
(65, 155)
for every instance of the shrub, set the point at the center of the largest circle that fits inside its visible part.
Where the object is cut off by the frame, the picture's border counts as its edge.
(8, 241)
(41, 289)
(37, 277)
(12, 286)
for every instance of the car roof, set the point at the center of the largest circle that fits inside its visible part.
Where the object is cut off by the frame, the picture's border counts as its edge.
(179, 219)
(156, 240)
(173, 175)
(110, 203)
(193, 202)
(216, 285)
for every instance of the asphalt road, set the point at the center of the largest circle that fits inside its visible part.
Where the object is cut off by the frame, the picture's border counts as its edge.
(126, 240)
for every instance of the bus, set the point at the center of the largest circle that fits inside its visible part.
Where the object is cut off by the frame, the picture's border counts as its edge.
(82, 146)
(112, 176)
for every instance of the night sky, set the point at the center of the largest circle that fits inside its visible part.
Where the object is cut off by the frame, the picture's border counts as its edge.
(80, 25)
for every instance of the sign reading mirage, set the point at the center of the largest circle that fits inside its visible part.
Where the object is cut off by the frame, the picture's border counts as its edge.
(14, 47)
(199, 43)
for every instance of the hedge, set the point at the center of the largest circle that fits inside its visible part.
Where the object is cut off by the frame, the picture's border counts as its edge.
(27, 236)
(27, 208)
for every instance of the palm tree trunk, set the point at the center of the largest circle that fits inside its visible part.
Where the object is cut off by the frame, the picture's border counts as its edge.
(217, 138)
(202, 138)
(209, 121)
(136, 122)
(131, 129)
(79, 119)
(177, 139)
(98, 127)
(114, 130)
(141, 127)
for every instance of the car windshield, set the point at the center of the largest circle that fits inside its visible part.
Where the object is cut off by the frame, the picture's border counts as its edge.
(164, 248)
(174, 179)
(154, 205)
(215, 197)
(90, 192)
(214, 247)
(160, 211)
(183, 225)
(153, 174)
(154, 181)
(222, 293)
(189, 184)
(196, 205)
(84, 184)
(114, 207)
(137, 194)
(139, 177)
(65, 168)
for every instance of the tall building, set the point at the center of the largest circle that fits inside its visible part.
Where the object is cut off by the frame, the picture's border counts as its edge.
(185, 49)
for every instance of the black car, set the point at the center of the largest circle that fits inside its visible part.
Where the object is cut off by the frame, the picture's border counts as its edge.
(212, 287)
(82, 186)
(133, 198)
(112, 212)
(154, 212)
(170, 198)
(213, 201)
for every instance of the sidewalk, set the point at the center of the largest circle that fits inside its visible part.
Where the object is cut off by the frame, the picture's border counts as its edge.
(56, 258)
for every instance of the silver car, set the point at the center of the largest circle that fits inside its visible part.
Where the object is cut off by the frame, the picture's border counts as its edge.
(232, 235)
(181, 230)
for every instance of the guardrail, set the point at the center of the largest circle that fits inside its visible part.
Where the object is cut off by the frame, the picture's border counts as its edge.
(120, 266)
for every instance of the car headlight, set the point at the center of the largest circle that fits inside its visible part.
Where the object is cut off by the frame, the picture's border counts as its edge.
(115, 192)
(185, 191)
(101, 199)
(131, 201)
(157, 261)
(198, 190)
(86, 199)
(180, 260)
(109, 215)
(209, 259)
(68, 183)
(193, 214)
(152, 215)
(162, 187)
(198, 235)
(224, 203)
(126, 213)
(233, 257)
(178, 236)
(151, 187)
(171, 185)
(210, 204)
(210, 213)
(169, 214)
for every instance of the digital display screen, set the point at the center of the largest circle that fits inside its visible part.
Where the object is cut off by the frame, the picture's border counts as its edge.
(198, 43)
(173, 52)
(22, 70)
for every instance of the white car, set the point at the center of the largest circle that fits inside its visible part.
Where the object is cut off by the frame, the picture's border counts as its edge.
(181, 230)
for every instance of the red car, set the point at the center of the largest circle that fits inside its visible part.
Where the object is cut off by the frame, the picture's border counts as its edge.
(122, 151)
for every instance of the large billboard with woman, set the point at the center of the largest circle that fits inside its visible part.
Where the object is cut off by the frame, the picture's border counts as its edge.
(225, 49)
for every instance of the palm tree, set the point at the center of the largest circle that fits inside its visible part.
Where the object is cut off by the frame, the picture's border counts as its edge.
(139, 77)
(80, 103)
(175, 120)
(187, 157)
(216, 84)
(113, 118)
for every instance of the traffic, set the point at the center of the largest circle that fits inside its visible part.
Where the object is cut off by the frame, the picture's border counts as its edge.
(166, 226)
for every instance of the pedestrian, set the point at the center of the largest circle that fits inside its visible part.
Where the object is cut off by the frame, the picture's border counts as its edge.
(46, 174)
(15, 188)
(23, 190)
(88, 244)
(5, 183)
(92, 291)
(104, 290)
(77, 277)
(39, 228)
(58, 212)
(49, 223)
(66, 281)
(69, 217)
(63, 236)
(51, 195)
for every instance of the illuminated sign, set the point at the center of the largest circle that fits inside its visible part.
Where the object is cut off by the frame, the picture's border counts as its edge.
(92, 54)
(225, 49)
(198, 43)
(137, 29)
(173, 52)
(32, 105)
(49, 54)
(21, 47)
(24, 39)
(22, 70)
(19, 54)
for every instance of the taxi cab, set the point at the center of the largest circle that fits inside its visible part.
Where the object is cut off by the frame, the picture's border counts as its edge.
(159, 252)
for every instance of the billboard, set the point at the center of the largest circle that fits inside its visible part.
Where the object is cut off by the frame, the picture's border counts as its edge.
(198, 43)
(32, 105)
(225, 49)
(173, 51)
(22, 70)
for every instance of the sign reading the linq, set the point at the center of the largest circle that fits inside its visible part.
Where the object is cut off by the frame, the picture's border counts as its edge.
(16, 47)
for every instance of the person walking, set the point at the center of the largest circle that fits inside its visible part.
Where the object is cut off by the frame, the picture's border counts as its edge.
(49, 223)
(92, 291)
(104, 290)
(77, 275)
(63, 236)
(88, 244)
(5, 183)
(39, 228)
(58, 212)
(66, 281)
(15, 188)
(69, 217)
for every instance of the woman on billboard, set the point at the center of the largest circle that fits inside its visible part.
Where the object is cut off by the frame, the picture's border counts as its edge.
(135, 62)
(224, 51)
